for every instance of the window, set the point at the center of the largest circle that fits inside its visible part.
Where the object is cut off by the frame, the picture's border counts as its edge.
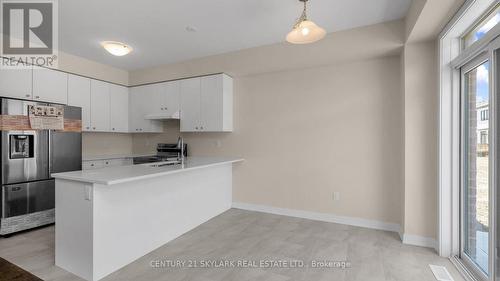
(484, 137)
(485, 115)
(485, 25)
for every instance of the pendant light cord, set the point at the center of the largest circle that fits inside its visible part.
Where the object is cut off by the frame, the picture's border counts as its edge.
(303, 17)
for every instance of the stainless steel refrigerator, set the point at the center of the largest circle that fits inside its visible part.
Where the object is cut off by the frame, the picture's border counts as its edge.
(28, 157)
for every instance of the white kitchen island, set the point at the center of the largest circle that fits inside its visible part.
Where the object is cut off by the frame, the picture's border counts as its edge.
(107, 218)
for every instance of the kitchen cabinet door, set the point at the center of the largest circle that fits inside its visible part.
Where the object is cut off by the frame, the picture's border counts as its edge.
(190, 104)
(16, 83)
(137, 110)
(118, 108)
(211, 104)
(155, 98)
(50, 85)
(79, 95)
(171, 98)
(153, 102)
(99, 105)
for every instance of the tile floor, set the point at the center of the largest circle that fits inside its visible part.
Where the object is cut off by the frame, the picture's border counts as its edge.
(244, 236)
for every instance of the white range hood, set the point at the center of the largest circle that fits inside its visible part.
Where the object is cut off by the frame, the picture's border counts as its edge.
(174, 116)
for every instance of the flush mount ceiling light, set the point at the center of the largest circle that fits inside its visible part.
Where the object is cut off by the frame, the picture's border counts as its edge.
(305, 31)
(116, 48)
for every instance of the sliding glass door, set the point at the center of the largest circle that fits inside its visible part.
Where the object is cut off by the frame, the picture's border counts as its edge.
(476, 155)
(479, 218)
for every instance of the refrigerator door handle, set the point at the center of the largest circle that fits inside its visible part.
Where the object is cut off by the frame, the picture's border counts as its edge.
(50, 153)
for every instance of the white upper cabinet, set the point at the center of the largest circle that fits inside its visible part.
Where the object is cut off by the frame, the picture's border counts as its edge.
(161, 100)
(99, 106)
(171, 98)
(79, 95)
(190, 104)
(203, 104)
(118, 108)
(141, 105)
(136, 116)
(207, 104)
(50, 85)
(16, 83)
(154, 99)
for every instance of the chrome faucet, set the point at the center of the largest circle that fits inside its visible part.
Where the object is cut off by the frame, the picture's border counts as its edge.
(180, 146)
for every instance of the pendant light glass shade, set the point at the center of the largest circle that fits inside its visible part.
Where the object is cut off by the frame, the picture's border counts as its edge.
(305, 32)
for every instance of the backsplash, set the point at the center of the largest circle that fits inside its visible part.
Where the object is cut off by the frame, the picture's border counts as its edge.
(98, 144)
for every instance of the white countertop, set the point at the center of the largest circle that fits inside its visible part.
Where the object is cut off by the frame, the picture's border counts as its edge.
(116, 156)
(115, 175)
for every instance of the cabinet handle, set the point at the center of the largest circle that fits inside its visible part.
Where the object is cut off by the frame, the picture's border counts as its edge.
(91, 165)
(28, 96)
(113, 129)
(93, 128)
(37, 97)
(196, 128)
(201, 128)
(87, 128)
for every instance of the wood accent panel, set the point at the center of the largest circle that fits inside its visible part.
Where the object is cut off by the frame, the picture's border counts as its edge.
(22, 123)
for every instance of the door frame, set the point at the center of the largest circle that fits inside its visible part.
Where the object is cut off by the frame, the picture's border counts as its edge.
(450, 52)
(483, 57)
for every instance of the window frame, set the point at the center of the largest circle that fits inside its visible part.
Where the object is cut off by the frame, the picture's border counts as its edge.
(476, 24)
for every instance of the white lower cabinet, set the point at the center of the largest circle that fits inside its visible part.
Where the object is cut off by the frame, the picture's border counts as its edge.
(89, 165)
(99, 106)
(118, 162)
(115, 162)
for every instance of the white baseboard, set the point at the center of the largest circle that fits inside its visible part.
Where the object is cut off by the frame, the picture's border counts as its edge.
(417, 240)
(408, 239)
(374, 224)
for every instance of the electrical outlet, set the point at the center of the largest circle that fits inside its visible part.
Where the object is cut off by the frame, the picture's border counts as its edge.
(336, 196)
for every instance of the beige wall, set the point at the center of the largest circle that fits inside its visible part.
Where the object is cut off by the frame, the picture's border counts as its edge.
(426, 18)
(307, 133)
(421, 139)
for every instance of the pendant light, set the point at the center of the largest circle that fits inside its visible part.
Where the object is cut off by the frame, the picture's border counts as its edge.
(305, 31)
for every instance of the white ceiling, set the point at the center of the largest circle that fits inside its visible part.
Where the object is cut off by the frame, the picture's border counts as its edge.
(156, 29)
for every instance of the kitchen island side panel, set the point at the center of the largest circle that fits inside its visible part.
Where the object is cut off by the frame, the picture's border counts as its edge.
(74, 228)
(134, 218)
